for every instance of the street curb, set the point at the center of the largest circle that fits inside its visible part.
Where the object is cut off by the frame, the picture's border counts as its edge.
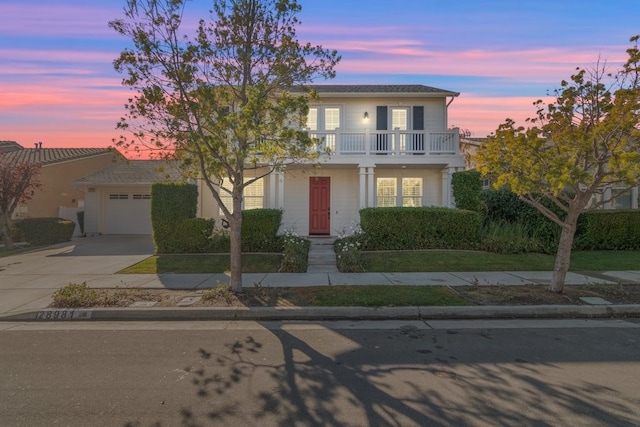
(327, 313)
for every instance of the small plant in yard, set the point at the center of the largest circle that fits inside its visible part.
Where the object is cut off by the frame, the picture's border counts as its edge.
(221, 293)
(348, 248)
(295, 253)
(75, 295)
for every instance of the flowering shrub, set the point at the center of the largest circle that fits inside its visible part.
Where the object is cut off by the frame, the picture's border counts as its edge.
(295, 253)
(348, 248)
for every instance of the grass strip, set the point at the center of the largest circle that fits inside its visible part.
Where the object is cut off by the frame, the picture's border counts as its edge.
(204, 263)
(379, 296)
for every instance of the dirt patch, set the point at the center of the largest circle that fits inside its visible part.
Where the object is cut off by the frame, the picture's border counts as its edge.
(290, 297)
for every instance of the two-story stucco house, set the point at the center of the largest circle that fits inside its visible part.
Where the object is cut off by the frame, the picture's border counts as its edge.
(390, 145)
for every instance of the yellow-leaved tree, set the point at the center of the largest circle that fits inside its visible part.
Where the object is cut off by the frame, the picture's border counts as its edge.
(574, 150)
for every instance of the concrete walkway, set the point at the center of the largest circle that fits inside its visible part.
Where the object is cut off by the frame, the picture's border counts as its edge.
(28, 280)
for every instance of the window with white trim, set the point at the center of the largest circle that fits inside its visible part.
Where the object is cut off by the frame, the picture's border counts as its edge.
(253, 195)
(118, 197)
(386, 192)
(325, 120)
(411, 192)
(388, 189)
(312, 119)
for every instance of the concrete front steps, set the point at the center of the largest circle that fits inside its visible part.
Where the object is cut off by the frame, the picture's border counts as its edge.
(322, 258)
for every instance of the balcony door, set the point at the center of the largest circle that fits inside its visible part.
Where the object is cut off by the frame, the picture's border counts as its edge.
(319, 205)
(400, 121)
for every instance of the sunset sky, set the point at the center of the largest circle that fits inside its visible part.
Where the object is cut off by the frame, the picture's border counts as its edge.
(58, 86)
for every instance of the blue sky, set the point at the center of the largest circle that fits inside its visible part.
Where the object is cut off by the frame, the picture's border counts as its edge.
(57, 83)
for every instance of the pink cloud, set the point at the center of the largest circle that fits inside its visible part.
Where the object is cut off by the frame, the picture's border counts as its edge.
(483, 115)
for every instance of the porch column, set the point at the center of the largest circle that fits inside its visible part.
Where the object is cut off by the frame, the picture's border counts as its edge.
(280, 178)
(273, 177)
(363, 187)
(447, 197)
(370, 195)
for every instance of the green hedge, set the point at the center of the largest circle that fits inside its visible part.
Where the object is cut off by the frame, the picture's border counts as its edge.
(420, 228)
(171, 204)
(45, 231)
(467, 189)
(259, 230)
(608, 230)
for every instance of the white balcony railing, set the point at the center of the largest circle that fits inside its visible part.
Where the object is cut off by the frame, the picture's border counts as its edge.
(396, 142)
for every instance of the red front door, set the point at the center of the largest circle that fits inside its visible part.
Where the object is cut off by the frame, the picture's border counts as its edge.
(319, 208)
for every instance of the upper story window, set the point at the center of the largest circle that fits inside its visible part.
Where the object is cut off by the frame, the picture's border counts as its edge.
(324, 118)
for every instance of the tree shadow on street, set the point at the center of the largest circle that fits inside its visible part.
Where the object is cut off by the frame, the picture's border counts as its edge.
(391, 378)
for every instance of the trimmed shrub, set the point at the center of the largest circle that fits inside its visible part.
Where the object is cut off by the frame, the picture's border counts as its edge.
(259, 229)
(420, 228)
(45, 231)
(193, 235)
(171, 204)
(467, 190)
(608, 230)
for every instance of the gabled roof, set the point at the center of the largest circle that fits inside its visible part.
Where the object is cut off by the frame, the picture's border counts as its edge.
(138, 172)
(9, 146)
(47, 156)
(375, 90)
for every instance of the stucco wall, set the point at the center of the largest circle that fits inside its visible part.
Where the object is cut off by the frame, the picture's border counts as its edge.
(56, 189)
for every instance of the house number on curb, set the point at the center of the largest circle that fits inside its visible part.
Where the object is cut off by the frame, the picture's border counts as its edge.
(63, 315)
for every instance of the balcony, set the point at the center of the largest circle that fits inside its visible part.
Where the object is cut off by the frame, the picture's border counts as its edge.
(388, 143)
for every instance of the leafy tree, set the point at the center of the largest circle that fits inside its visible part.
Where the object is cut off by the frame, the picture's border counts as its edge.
(574, 150)
(229, 99)
(18, 182)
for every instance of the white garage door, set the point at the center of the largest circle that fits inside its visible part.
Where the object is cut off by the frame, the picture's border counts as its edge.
(129, 213)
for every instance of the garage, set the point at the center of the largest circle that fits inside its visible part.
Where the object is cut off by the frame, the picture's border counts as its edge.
(118, 198)
(128, 213)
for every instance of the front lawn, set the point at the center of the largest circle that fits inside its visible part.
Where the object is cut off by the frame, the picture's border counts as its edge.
(204, 263)
(442, 260)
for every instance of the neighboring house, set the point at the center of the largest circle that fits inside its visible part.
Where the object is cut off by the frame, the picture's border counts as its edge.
(60, 167)
(469, 148)
(118, 197)
(390, 146)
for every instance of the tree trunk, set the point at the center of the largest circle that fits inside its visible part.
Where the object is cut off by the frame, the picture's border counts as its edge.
(236, 245)
(563, 255)
(5, 230)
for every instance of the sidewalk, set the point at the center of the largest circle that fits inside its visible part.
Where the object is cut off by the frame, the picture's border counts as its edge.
(28, 280)
(24, 296)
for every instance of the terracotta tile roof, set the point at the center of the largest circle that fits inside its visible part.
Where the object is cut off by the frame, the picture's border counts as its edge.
(133, 172)
(55, 155)
(383, 89)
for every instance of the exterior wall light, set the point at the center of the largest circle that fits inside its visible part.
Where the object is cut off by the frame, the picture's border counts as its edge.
(366, 115)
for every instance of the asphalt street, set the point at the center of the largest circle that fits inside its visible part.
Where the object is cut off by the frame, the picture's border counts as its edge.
(351, 373)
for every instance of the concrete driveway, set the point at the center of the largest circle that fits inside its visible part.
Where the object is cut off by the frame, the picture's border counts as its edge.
(29, 278)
